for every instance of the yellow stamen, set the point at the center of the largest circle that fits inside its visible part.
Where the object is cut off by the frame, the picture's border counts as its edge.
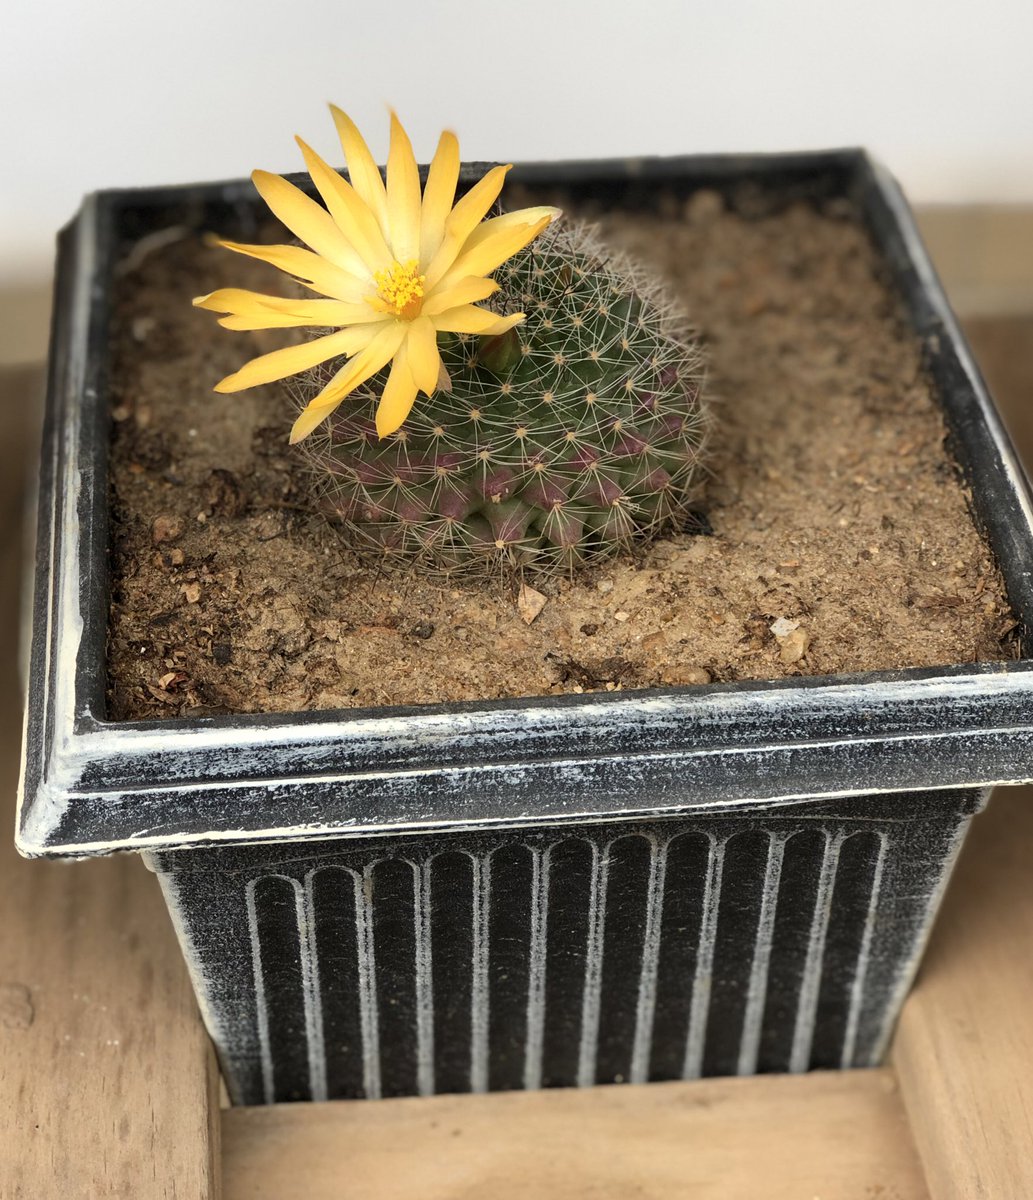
(400, 289)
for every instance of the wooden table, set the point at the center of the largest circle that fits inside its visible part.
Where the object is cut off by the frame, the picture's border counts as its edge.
(107, 1085)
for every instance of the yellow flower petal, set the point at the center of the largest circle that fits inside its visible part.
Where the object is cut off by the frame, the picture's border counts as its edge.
(315, 272)
(468, 318)
(463, 220)
(422, 351)
(490, 244)
(350, 213)
(463, 291)
(377, 354)
(395, 268)
(362, 169)
(309, 419)
(403, 195)
(438, 195)
(292, 359)
(371, 360)
(253, 310)
(399, 395)
(307, 220)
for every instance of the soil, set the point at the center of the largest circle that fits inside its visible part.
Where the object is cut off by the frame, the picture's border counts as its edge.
(834, 533)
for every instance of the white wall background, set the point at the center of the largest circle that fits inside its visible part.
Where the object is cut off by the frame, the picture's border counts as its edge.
(98, 93)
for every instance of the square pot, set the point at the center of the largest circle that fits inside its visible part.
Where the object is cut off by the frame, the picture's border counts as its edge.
(564, 890)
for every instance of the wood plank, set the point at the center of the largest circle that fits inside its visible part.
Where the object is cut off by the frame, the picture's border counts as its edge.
(1004, 348)
(833, 1136)
(984, 255)
(106, 1075)
(24, 320)
(964, 1048)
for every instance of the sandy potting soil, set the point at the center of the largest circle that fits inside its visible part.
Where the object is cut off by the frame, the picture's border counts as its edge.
(836, 535)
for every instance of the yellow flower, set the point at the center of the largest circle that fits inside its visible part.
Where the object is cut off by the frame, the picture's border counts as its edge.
(394, 269)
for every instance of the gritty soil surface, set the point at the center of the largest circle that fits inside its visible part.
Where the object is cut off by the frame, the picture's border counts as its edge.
(836, 534)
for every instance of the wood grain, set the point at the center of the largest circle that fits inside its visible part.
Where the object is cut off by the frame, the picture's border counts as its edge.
(984, 254)
(833, 1136)
(964, 1047)
(1004, 349)
(105, 1071)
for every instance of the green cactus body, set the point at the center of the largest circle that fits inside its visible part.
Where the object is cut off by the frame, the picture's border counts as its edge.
(568, 439)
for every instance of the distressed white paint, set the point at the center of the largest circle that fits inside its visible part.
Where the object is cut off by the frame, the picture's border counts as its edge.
(367, 975)
(479, 990)
(424, 981)
(64, 620)
(757, 994)
(311, 995)
(647, 907)
(261, 742)
(810, 988)
(261, 1005)
(910, 967)
(591, 1003)
(645, 1008)
(34, 838)
(536, 968)
(212, 1014)
(857, 987)
(703, 979)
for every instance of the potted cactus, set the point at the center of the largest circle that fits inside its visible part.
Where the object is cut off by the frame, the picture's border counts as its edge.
(517, 891)
(497, 463)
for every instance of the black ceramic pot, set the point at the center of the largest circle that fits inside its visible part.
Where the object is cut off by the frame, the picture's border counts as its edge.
(510, 894)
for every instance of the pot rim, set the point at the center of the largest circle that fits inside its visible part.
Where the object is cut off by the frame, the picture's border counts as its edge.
(93, 786)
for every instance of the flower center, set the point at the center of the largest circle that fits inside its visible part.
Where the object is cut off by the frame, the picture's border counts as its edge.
(400, 288)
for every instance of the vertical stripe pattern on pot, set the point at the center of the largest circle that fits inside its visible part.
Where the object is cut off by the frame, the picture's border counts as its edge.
(607, 955)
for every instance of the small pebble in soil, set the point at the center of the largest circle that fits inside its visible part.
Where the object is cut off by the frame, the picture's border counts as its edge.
(423, 629)
(676, 675)
(166, 528)
(530, 603)
(792, 638)
(783, 627)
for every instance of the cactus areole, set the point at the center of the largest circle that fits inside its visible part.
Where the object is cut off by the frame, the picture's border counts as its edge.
(563, 439)
(560, 423)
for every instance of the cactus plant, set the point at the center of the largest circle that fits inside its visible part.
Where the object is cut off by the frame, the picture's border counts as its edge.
(550, 436)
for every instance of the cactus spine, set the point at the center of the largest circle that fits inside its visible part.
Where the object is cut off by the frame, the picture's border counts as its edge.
(567, 439)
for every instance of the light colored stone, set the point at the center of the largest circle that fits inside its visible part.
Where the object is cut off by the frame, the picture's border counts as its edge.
(794, 645)
(784, 626)
(530, 603)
